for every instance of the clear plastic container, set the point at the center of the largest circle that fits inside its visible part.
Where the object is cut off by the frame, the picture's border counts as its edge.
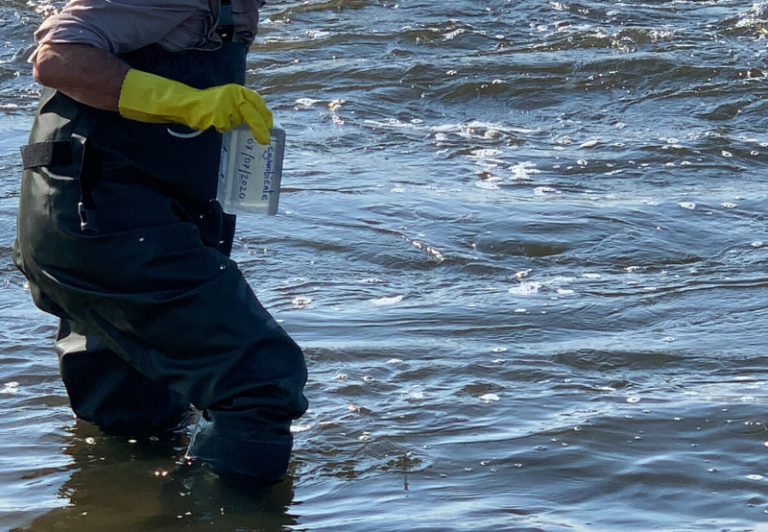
(249, 172)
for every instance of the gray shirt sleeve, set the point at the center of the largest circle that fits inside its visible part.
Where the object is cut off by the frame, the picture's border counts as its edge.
(121, 26)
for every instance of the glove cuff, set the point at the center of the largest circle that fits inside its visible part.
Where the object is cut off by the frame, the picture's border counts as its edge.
(149, 98)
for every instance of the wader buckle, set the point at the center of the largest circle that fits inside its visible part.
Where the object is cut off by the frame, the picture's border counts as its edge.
(87, 218)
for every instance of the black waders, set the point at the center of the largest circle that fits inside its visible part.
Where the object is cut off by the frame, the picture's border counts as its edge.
(120, 237)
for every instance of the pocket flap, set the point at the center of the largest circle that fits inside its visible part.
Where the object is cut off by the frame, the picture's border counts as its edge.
(49, 153)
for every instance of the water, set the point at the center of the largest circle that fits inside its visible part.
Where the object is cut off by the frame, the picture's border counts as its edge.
(524, 247)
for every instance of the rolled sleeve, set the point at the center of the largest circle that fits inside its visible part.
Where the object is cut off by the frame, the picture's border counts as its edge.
(121, 26)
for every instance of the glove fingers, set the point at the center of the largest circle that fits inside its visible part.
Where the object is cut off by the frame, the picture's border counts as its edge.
(255, 121)
(257, 102)
(224, 123)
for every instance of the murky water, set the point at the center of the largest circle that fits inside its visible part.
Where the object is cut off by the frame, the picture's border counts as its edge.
(524, 246)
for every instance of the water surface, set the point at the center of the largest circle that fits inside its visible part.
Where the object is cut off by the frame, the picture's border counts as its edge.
(524, 247)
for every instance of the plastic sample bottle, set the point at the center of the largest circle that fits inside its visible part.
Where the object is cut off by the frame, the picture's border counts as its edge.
(249, 172)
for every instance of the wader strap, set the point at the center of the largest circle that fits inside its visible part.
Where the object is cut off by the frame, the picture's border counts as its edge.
(226, 26)
(49, 153)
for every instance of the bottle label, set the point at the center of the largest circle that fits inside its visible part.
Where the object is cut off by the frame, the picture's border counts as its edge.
(250, 173)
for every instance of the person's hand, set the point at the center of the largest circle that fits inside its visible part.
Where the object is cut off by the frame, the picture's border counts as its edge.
(148, 98)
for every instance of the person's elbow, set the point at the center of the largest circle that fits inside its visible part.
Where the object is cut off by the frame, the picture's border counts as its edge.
(89, 75)
(47, 66)
(62, 65)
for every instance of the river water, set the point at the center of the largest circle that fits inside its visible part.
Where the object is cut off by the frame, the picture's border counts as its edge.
(522, 245)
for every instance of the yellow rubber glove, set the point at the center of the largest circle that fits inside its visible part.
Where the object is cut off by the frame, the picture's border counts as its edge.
(149, 98)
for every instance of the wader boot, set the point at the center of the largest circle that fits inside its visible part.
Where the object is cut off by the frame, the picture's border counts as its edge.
(120, 236)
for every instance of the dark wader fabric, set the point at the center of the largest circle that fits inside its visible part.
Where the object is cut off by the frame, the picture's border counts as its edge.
(120, 237)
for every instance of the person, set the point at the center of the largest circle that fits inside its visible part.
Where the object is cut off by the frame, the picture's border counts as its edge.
(120, 236)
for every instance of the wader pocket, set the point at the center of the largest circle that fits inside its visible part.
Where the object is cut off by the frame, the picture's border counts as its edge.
(69, 158)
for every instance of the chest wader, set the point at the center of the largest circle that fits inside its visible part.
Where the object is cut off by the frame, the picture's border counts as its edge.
(120, 237)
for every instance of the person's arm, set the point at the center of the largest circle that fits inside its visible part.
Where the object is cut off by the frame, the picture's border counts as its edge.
(96, 77)
(99, 79)
(85, 73)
